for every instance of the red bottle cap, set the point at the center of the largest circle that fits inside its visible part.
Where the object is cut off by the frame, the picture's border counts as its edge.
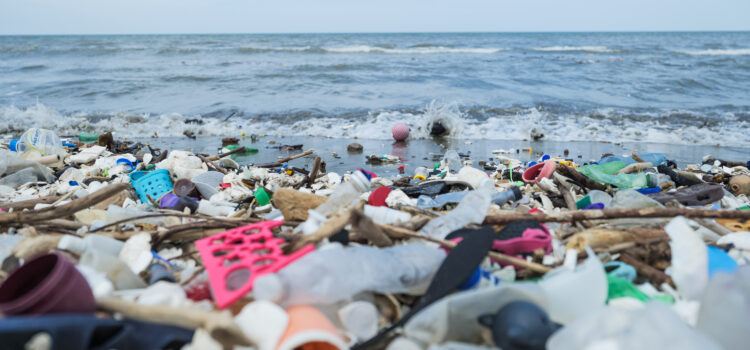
(378, 196)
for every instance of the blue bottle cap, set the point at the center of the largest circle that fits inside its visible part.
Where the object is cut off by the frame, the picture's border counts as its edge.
(532, 163)
(13, 143)
(545, 157)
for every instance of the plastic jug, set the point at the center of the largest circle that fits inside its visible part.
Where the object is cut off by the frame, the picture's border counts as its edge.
(385, 215)
(452, 160)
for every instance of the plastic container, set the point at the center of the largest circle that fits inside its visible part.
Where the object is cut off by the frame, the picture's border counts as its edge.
(179, 203)
(539, 171)
(116, 270)
(472, 176)
(577, 293)
(91, 241)
(452, 161)
(421, 173)
(262, 196)
(594, 196)
(152, 184)
(471, 210)
(88, 138)
(183, 187)
(344, 194)
(45, 142)
(331, 275)
(45, 285)
(385, 215)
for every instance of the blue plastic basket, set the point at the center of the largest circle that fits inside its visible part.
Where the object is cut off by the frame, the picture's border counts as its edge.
(152, 184)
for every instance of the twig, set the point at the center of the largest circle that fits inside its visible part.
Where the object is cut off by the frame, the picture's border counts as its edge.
(579, 178)
(65, 209)
(578, 215)
(222, 155)
(314, 172)
(29, 203)
(214, 165)
(399, 232)
(282, 161)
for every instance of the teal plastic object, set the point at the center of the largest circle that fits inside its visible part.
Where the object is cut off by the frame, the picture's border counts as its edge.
(621, 270)
(152, 184)
(719, 261)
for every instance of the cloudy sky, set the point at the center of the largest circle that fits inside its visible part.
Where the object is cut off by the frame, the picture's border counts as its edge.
(300, 16)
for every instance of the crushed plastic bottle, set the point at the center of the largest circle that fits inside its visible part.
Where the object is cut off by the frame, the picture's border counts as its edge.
(41, 141)
(345, 194)
(335, 274)
(471, 210)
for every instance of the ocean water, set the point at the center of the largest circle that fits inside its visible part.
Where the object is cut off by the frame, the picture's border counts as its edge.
(676, 88)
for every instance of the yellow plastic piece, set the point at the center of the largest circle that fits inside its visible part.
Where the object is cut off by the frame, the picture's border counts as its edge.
(419, 177)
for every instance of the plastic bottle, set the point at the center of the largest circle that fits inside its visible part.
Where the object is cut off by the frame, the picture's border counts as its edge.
(594, 196)
(331, 275)
(452, 160)
(88, 138)
(45, 142)
(654, 158)
(421, 173)
(344, 194)
(609, 159)
(471, 210)
(385, 215)
(440, 200)
(96, 242)
(513, 194)
(622, 181)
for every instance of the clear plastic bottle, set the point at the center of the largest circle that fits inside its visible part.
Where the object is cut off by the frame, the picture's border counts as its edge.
(331, 275)
(385, 215)
(421, 173)
(96, 242)
(472, 176)
(471, 210)
(452, 160)
(594, 196)
(42, 141)
(345, 194)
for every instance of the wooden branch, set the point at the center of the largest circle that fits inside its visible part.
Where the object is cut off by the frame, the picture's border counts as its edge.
(398, 232)
(214, 165)
(578, 215)
(220, 326)
(654, 275)
(63, 210)
(579, 178)
(314, 172)
(222, 155)
(282, 161)
(28, 204)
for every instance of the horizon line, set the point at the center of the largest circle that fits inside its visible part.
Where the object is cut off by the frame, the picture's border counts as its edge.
(394, 32)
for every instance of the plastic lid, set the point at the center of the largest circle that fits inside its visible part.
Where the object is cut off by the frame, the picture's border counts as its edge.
(72, 243)
(378, 196)
(13, 144)
(262, 196)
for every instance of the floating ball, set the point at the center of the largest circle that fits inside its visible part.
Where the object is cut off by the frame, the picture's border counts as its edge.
(400, 131)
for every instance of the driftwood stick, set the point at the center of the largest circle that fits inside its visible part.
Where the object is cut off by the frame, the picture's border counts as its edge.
(63, 210)
(219, 325)
(327, 229)
(222, 155)
(399, 232)
(314, 172)
(282, 161)
(214, 165)
(579, 178)
(578, 215)
(27, 204)
(655, 276)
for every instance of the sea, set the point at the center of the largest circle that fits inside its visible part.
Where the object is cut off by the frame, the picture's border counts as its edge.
(684, 88)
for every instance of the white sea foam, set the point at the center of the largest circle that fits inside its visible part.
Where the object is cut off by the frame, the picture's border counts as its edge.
(717, 52)
(377, 125)
(411, 50)
(595, 49)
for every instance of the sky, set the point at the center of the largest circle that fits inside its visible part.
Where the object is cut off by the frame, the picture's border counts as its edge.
(324, 16)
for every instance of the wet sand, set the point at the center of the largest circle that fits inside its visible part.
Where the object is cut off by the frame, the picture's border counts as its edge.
(417, 153)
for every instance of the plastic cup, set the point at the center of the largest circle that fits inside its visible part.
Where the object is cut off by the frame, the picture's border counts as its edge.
(45, 285)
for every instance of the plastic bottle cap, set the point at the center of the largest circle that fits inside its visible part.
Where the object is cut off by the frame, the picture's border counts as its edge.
(378, 196)
(262, 196)
(419, 177)
(13, 144)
